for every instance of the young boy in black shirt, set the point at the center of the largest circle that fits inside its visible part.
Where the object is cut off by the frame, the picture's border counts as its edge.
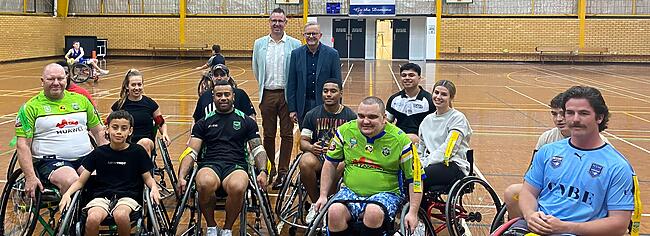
(122, 170)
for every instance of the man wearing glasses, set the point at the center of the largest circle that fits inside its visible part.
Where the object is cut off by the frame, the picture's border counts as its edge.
(271, 68)
(311, 65)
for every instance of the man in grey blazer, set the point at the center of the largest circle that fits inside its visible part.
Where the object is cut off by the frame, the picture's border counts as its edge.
(271, 68)
(311, 65)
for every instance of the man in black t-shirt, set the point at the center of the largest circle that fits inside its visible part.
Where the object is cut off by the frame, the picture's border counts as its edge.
(205, 105)
(407, 108)
(318, 127)
(121, 171)
(223, 135)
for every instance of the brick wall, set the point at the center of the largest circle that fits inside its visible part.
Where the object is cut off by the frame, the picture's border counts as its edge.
(462, 38)
(26, 37)
(620, 36)
(496, 35)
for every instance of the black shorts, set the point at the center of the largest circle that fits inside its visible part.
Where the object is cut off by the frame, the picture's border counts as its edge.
(45, 167)
(223, 169)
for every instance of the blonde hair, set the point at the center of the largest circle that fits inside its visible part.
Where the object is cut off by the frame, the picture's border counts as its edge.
(124, 90)
(450, 86)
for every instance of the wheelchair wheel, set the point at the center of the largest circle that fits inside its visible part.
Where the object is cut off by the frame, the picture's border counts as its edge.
(500, 219)
(158, 222)
(165, 172)
(189, 200)
(19, 211)
(424, 227)
(81, 72)
(12, 164)
(472, 206)
(291, 203)
(204, 85)
(261, 202)
(66, 225)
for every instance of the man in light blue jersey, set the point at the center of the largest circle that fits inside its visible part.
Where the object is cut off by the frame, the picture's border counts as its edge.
(580, 185)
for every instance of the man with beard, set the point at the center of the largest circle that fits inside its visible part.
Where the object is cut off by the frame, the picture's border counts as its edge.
(223, 135)
(580, 185)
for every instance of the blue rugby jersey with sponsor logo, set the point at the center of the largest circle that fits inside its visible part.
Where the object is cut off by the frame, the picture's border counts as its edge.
(581, 185)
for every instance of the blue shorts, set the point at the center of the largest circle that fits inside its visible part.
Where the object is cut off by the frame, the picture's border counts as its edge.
(45, 167)
(389, 200)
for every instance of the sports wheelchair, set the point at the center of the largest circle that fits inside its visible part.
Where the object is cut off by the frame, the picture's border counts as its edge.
(19, 212)
(470, 208)
(256, 201)
(81, 72)
(73, 218)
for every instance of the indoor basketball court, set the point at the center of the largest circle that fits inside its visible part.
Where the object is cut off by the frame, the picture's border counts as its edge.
(507, 59)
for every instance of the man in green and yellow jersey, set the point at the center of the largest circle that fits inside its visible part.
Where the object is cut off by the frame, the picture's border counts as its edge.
(52, 130)
(376, 155)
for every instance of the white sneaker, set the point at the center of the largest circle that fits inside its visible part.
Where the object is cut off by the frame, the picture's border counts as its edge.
(212, 231)
(226, 232)
(311, 214)
(103, 72)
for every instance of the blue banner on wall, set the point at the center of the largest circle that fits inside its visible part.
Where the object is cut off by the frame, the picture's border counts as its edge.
(377, 10)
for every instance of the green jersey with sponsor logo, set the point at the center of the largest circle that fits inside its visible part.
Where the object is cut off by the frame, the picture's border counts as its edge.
(58, 128)
(375, 164)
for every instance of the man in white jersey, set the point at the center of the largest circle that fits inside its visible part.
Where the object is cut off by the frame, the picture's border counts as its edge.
(52, 130)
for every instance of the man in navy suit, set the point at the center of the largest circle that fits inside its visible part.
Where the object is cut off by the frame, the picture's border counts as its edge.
(311, 65)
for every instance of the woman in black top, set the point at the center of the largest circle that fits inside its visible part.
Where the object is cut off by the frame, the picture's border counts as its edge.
(145, 111)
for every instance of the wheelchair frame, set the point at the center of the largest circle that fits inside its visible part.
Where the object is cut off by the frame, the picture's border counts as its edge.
(257, 201)
(453, 211)
(71, 222)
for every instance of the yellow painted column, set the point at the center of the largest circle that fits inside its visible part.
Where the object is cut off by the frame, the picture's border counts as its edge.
(61, 7)
(181, 23)
(582, 12)
(305, 11)
(438, 23)
(633, 7)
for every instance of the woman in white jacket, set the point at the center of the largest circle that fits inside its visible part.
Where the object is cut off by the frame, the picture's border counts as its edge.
(444, 139)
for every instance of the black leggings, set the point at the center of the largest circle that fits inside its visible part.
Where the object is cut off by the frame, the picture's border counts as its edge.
(441, 175)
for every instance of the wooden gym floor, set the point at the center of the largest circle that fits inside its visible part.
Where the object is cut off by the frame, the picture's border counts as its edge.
(504, 102)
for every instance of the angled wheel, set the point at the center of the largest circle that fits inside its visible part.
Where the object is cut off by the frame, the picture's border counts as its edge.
(291, 204)
(500, 219)
(472, 207)
(318, 227)
(204, 85)
(158, 219)
(166, 175)
(12, 164)
(263, 206)
(66, 225)
(81, 72)
(19, 211)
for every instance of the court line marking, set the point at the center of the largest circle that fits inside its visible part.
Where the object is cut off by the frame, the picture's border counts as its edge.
(348, 74)
(605, 132)
(614, 74)
(461, 66)
(603, 86)
(390, 67)
(113, 75)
